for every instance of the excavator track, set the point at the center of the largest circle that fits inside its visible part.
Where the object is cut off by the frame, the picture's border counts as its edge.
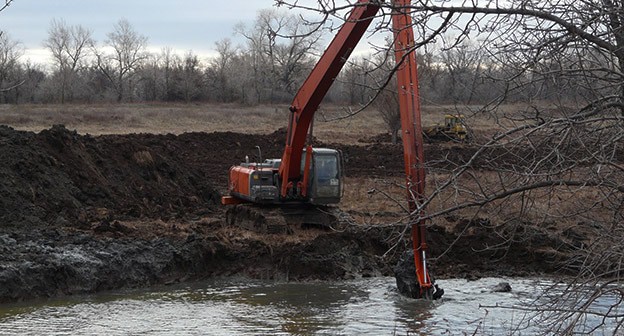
(283, 219)
(268, 219)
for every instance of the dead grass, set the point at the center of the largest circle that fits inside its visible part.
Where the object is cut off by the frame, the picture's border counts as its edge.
(180, 118)
(141, 118)
(330, 122)
(381, 201)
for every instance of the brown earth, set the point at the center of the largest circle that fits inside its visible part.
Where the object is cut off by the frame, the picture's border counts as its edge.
(81, 214)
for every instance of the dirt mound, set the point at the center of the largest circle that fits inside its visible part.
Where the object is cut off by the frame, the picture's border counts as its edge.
(82, 214)
(58, 176)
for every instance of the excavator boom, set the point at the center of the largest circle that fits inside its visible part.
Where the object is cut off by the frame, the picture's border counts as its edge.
(315, 87)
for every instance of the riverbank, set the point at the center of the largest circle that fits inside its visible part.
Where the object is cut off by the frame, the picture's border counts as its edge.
(82, 214)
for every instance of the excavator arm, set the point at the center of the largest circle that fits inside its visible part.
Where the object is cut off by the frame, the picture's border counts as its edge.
(317, 84)
(411, 134)
(315, 87)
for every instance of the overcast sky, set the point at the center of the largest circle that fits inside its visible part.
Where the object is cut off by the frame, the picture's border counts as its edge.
(181, 24)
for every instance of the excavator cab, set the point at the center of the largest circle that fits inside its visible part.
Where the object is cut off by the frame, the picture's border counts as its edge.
(325, 176)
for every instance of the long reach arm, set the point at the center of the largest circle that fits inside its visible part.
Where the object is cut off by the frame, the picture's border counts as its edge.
(317, 84)
(411, 128)
(315, 87)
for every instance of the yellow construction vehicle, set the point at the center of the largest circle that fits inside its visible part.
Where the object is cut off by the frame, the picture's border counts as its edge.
(453, 129)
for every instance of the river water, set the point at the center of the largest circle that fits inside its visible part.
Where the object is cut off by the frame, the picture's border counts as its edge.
(368, 306)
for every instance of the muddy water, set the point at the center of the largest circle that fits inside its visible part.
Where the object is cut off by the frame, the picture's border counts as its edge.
(243, 307)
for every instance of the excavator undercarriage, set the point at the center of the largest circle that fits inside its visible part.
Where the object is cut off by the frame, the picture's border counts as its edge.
(284, 219)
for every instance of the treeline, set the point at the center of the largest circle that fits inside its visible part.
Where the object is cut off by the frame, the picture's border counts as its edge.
(268, 68)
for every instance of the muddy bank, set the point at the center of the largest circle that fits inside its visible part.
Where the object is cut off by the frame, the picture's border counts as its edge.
(54, 262)
(81, 214)
(48, 262)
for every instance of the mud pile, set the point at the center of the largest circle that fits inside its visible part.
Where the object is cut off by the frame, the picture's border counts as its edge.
(82, 214)
(60, 177)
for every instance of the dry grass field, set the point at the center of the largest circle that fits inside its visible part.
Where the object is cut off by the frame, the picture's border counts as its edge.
(332, 123)
(181, 118)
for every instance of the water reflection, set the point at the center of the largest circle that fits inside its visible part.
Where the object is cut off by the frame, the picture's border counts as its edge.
(243, 307)
(413, 314)
(304, 308)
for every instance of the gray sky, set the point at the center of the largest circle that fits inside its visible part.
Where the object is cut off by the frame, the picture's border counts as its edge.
(182, 24)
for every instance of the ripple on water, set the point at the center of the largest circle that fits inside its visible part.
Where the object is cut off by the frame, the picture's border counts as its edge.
(233, 306)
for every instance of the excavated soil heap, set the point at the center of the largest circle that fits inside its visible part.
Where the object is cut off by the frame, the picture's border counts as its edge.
(58, 176)
(81, 214)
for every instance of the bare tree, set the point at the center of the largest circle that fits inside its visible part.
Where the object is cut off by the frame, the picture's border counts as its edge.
(356, 82)
(128, 54)
(33, 76)
(169, 61)
(221, 71)
(554, 159)
(463, 65)
(10, 52)
(279, 50)
(387, 103)
(69, 46)
(191, 78)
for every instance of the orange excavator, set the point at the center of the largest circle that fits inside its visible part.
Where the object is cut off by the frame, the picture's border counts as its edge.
(314, 175)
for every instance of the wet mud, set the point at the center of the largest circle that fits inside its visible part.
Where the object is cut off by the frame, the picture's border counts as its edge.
(81, 214)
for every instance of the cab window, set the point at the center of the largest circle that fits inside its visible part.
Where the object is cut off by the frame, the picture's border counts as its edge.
(326, 167)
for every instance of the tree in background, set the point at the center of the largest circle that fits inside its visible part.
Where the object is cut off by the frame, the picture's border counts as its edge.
(279, 54)
(387, 104)
(221, 71)
(169, 61)
(69, 46)
(121, 65)
(384, 92)
(33, 77)
(10, 68)
(191, 78)
(355, 82)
